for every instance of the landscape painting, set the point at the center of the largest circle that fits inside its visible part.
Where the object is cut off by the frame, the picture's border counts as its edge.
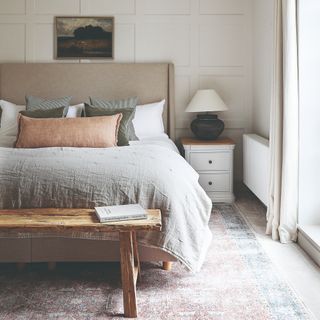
(84, 37)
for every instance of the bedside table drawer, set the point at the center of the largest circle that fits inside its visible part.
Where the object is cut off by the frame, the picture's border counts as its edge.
(207, 161)
(215, 181)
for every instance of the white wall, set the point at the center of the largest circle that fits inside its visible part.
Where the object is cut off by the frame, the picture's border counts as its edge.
(262, 65)
(309, 72)
(208, 40)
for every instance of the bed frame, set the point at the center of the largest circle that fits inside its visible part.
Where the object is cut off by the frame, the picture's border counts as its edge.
(148, 81)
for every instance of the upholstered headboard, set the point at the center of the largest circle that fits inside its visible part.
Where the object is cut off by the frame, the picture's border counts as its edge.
(149, 81)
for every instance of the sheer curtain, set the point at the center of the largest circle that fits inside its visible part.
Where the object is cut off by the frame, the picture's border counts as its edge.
(282, 211)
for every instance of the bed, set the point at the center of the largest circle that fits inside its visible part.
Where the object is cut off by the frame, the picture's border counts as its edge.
(150, 172)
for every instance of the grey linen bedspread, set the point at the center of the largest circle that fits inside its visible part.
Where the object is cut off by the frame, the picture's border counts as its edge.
(153, 176)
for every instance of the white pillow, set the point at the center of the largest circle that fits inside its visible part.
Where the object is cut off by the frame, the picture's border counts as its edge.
(75, 111)
(148, 122)
(10, 112)
(9, 117)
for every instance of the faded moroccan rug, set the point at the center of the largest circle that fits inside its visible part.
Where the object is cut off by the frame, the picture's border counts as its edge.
(236, 282)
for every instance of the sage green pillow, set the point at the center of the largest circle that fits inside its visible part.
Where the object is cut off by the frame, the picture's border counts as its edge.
(123, 104)
(36, 103)
(127, 117)
(51, 113)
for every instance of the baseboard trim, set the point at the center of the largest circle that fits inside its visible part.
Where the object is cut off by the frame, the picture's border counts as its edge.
(217, 197)
(309, 245)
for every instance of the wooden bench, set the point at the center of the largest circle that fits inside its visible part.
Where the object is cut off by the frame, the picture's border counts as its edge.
(60, 221)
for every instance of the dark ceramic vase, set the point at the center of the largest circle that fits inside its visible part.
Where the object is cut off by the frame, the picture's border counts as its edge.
(207, 126)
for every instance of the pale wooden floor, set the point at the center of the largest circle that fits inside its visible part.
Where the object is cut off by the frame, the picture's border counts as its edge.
(294, 265)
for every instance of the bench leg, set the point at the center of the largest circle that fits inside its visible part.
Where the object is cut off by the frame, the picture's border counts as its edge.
(129, 272)
(167, 265)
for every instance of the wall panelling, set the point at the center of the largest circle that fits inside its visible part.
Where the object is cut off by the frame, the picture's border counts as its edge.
(209, 41)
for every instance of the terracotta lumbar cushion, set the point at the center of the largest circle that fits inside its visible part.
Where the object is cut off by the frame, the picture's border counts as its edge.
(94, 132)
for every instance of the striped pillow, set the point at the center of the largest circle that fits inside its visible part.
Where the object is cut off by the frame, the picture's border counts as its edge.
(36, 103)
(129, 103)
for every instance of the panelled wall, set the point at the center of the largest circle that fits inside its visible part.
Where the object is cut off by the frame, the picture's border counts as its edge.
(263, 21)
(209, 41)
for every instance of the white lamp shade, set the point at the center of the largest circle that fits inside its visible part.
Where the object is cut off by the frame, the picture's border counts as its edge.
(206, 101)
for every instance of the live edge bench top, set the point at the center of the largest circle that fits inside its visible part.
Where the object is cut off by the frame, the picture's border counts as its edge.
(60, 220)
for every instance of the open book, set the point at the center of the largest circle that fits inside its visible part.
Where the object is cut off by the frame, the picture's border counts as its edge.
(120, 213)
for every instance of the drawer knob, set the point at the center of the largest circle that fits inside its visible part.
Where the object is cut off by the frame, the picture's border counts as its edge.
(210, 161)
(210, 183)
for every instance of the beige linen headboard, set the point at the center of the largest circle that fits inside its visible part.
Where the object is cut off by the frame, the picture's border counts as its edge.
(150, 82)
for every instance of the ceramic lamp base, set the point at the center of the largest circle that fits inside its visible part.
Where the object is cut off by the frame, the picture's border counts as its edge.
(207, 126)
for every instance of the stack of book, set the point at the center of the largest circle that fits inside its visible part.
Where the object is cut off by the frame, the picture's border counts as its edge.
(120, 213)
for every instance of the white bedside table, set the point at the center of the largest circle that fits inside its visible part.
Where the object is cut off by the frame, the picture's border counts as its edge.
(213, 160)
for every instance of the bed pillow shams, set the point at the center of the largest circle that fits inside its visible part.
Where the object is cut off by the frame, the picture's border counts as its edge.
(148, 121)
(51, 113)
(95, 132)
(75, 111)
(127, 117)
(10, 112)
(129, 103)
(36, 103)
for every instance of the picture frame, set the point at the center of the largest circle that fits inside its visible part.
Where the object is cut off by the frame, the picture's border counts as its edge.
(84, 37)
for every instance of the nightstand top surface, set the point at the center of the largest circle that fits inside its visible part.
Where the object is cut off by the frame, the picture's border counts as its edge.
(195, 142)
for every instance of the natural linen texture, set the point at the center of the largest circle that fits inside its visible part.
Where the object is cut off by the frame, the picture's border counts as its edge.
(113, 105)
(95, 132)
(152, 176)
(126, 121)
(51, 113)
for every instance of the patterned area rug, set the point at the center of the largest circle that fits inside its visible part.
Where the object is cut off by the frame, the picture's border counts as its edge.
(236, 282)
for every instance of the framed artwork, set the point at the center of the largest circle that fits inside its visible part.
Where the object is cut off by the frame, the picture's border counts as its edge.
(84, 37)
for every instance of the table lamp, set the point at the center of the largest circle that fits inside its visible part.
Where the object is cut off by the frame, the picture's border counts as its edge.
(206, 126)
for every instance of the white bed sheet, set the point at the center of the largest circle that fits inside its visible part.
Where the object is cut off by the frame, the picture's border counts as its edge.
(164, 141)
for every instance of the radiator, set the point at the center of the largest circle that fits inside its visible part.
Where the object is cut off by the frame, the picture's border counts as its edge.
(256, 165)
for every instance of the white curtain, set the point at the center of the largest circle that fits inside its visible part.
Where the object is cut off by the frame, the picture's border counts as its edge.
(284, 126)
